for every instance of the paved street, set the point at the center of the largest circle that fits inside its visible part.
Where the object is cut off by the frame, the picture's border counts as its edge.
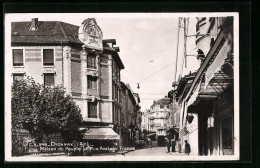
(155, 151)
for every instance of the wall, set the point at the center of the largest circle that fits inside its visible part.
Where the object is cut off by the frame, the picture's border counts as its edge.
(33, 65)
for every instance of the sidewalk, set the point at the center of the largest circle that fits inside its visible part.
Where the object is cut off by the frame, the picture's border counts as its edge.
(119, 152)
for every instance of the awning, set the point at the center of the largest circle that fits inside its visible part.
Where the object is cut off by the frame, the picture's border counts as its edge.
(103, 133)
(216, 65)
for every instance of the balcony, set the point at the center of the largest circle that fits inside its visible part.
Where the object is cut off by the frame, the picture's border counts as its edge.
(92, 72)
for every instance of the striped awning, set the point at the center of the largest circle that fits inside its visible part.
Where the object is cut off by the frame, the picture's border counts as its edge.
(102, 133)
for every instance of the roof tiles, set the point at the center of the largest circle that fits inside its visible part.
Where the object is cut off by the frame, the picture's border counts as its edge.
(47, 32)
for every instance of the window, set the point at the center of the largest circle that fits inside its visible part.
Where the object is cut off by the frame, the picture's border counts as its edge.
(48, 57)
(161, 106)
(91, 61)
(49, 79)
(92, 82)
(17, 57)
(92, 110)
(18, 77)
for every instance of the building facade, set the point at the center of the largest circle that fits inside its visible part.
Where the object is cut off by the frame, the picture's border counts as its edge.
(129, 118)
(206, 96)
(159, 119)
(88, 66)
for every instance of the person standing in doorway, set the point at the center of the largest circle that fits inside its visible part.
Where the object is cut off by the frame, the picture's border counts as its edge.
(173, 145)
(187, 147)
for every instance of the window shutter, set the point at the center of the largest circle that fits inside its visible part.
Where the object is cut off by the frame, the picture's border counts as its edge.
(48, 57)
(18, 57)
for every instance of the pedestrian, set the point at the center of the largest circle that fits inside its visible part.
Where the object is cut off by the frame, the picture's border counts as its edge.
(88, 150)
(168, 144)
(187, 147)
(173, 145)
(179, 145)
(150, 143)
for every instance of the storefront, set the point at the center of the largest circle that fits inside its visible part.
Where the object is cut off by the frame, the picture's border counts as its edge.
(100, 137)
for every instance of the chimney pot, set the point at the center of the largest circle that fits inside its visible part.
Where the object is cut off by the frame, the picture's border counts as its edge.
(34, 24)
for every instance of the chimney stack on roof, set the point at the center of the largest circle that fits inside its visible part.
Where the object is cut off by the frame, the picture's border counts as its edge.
(34, 24)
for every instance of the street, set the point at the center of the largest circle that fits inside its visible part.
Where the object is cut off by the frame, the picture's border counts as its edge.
(155, 151)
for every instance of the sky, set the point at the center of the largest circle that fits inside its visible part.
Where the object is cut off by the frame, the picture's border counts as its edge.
(148, 47)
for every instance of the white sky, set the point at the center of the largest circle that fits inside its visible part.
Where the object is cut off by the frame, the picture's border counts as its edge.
(147, 44)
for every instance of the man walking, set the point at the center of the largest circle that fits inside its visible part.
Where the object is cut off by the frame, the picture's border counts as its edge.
(187, 147)
(173, 145)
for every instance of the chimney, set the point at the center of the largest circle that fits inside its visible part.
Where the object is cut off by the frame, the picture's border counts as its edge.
(34, 24)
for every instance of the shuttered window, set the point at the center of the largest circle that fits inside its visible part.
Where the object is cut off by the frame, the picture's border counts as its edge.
(18, 77)
(92, 110)
(18, 57)
(91, 61)
(48, 57)
(49, 79)
(92, 82)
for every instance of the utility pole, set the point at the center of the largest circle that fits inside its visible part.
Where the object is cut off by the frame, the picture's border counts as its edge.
(177, 50)
(185, 41)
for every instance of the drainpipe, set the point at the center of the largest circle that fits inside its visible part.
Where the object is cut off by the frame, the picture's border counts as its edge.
(62, 64)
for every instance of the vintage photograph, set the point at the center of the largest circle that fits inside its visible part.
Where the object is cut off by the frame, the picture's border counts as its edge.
(121, 86)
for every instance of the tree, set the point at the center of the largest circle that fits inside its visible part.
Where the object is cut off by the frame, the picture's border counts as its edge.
(44, 109)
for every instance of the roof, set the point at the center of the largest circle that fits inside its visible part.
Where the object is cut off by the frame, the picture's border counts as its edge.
(114, 51)
(47, 32)
(130, 92)
(163, 101)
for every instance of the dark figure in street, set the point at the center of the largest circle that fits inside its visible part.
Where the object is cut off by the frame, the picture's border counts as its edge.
(173, 145)
(88, 150)
(187, 147)
(168, 144)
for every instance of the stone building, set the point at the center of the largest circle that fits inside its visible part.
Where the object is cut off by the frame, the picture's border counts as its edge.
(130, 108)
(77, 57)
(159, 119)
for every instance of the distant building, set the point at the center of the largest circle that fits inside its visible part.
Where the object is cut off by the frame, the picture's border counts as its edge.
(144, 123)
(159, 114)
(130, 108)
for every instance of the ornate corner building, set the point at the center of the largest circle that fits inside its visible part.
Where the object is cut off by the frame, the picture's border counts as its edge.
(77, 57)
